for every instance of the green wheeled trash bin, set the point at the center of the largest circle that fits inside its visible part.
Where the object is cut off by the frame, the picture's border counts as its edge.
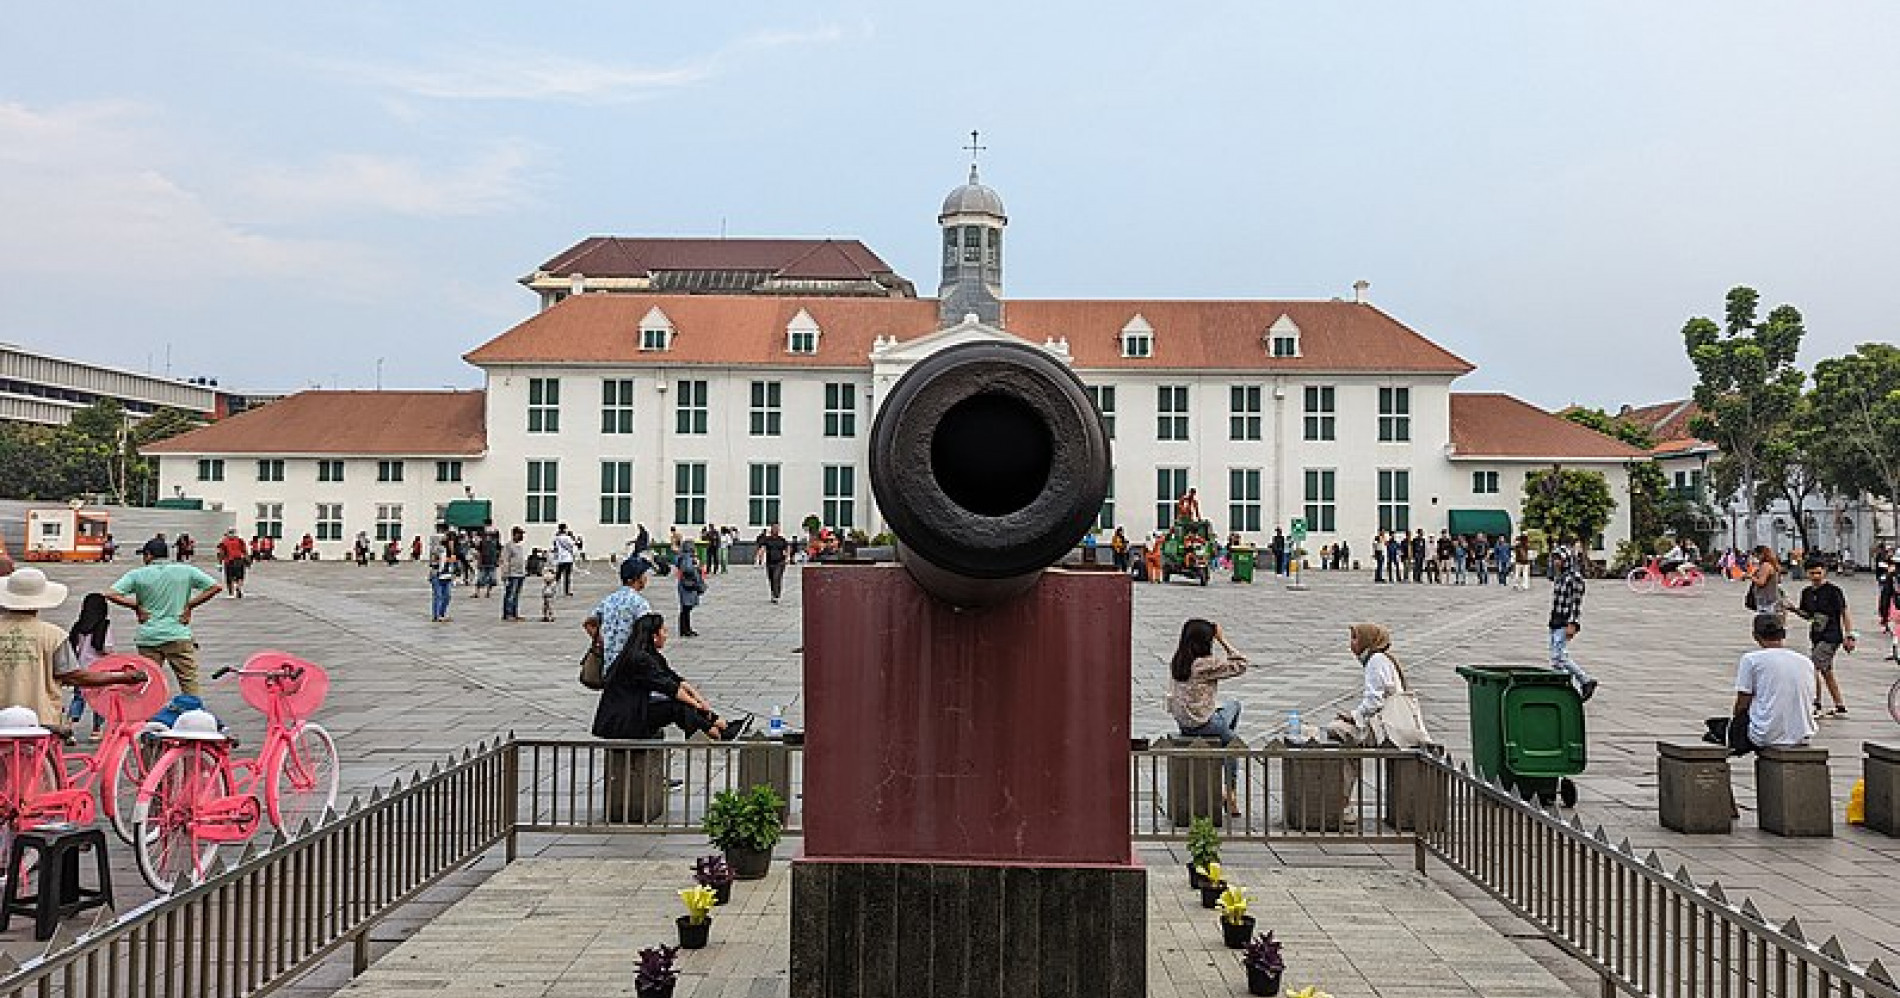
(1526, 729)
(1243, 564)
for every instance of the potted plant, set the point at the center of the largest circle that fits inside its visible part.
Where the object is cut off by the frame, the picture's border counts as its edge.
(1203, 846)
(654, 976)
(716, 873)
(1236, 926)
(1213, 884)
(696, 924)
(745, 826)
(1264, 965)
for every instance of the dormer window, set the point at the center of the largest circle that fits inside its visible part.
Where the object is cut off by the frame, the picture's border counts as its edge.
(656, 331)
(1284, 338)
(1138, 338)
(801, 334)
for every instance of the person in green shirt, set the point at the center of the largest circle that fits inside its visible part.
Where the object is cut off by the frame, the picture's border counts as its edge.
(164, 593)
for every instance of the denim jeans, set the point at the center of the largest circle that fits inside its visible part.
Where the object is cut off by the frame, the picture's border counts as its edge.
(1560, 656)
(439, 606)
(1221, 725)
(511, 596)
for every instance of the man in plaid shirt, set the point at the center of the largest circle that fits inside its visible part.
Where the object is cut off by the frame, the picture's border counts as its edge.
(1566, 611)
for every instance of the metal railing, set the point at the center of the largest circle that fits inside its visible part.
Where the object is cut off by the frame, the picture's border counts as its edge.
(1643, 929)
(266, 919)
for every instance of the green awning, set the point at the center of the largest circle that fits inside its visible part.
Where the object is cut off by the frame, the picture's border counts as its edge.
(1489, 522)
(468, 512)
(180, 503)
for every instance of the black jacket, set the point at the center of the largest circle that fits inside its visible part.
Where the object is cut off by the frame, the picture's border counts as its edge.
(623, 709)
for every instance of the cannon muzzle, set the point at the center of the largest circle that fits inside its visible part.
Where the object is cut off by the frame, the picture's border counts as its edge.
(989, 462)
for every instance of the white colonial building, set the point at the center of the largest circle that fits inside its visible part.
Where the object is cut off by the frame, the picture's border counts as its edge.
(671, 384)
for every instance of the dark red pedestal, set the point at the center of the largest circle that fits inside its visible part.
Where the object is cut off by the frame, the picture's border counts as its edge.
(966, 793)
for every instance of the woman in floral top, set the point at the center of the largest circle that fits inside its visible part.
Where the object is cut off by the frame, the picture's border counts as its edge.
(1194, 680)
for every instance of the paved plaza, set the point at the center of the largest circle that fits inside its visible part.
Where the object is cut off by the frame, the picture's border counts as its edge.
(406, 692)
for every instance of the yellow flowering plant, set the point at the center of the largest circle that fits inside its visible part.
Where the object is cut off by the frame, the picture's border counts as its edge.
(699, 903)
(1310, 991)
(1233, 904)
(1212, 872)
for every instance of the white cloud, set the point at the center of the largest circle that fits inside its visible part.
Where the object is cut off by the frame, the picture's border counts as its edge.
(520, 75)
(493, 181)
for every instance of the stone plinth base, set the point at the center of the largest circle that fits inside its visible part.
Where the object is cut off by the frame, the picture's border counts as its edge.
(1692, 789)
(1882, 772)
(953, 930)
(1793, 792)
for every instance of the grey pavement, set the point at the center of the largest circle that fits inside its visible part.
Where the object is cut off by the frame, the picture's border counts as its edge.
(407, 691)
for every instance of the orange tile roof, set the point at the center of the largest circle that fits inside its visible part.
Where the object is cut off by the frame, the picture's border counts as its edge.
(347, 423)
(1487, 424)
(1665, 421)
(750, 331)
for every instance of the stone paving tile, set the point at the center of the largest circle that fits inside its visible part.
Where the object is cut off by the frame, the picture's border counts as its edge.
(547, 927)
(407, 692)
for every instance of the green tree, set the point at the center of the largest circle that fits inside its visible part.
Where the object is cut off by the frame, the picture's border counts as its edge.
(1856, 415)
(1747, 385)
(1567, 504)
(1612, 426)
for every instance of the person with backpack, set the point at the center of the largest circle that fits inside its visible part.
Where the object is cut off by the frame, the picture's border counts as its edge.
(692, 584)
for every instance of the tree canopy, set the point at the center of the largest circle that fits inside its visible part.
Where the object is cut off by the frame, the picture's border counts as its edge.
(94, 455)
(1567, 504)
(1748, 385)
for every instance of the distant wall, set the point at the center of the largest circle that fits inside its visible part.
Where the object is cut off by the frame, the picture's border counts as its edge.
(131, 525)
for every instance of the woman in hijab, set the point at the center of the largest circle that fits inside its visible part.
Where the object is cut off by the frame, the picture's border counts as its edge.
(1372, 645)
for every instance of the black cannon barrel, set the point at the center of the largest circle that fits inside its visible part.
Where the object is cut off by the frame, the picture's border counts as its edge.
(989, 463)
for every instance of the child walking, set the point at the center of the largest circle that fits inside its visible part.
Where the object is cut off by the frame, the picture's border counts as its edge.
(548, 591)
(90, 639)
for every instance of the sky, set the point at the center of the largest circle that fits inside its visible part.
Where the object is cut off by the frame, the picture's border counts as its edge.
(282, 196)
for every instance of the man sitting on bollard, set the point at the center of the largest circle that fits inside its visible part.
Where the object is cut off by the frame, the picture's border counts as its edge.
(1773, 688)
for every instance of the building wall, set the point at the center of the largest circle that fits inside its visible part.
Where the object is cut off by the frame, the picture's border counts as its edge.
(42, 389)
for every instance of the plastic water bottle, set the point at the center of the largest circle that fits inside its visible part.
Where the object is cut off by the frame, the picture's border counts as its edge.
(1293, 730)
(776, 726)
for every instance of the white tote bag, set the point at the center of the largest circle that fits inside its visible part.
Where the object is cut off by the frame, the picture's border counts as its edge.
(1399, 720)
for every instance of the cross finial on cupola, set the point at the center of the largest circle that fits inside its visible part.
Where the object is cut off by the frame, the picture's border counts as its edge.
(973, 148)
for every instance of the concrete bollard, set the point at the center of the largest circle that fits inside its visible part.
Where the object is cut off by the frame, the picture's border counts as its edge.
(1792, 791)
(635, 786)
(1414, 801)
(1316, 781)
(1194, 785)
(1693, 795)
(1882, 772)
(767, 762)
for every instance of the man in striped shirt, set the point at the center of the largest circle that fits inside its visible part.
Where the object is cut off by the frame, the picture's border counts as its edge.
(1566, 613)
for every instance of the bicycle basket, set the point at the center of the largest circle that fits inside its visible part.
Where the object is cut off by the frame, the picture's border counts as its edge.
(132, 702)
(296, 698)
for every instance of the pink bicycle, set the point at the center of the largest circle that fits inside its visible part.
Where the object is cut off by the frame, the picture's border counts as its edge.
(198, 796)
(41, 783)
(1651, 577)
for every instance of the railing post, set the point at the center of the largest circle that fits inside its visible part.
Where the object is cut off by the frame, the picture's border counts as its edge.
(359, 953)
(511, 797)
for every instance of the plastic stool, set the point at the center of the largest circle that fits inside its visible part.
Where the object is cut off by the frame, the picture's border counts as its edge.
(60, 895)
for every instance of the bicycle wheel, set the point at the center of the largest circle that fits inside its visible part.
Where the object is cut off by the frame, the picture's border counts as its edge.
(303, 780)
(24, 773)
(119, 791)
(1640, 581)
(1893, 701)
(164, 832)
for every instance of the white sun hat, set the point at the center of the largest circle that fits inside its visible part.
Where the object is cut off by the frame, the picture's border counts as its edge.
(29, 589)
(21, 722)
(197, 726)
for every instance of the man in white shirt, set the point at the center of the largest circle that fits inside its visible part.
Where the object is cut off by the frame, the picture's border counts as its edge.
(565, 550)
(1774, 687)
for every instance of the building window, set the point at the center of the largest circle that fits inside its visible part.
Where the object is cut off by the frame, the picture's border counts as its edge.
(841, 496)
(1286, 346)
(329, 471)
(689, 493)
(1104, 398)
(689, 408)
(544, 405)
(765, 408)
(1395, 499)
(211, 469)
(270, 520)
(803, 341)
(1484, 483)
(448, 471)
(653, 339)
(1171, 404)
(270, 470)
(616, 492)
(762, 494)
(1243, 499)
(1321, 511)
(441, 520)
(389, 521)
(544, 479)
(1138, 338)
(1395, 415)
(1170, 484)
(972, 244)
(1244, 423)
(616, 405)
(841, 409)
(1689, 484)
(329, 521)
(389, 471)
(1106, 519)
(1319, 412)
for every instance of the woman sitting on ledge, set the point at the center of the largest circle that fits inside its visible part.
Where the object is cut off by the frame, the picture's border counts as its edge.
(644, 694)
